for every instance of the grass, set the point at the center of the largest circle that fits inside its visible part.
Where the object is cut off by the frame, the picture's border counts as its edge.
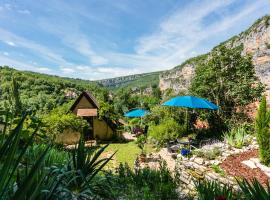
(126, 152)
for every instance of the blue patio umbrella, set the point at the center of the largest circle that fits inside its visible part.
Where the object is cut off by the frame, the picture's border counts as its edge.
(136, 113)
(190, 102)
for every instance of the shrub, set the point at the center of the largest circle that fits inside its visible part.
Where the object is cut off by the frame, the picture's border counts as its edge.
(254, 190)
(167, 131)
(141, 140)
(213, 190)
(145, 183)
(58, 120)
(262, 131)
(249, 190)
(218, 169)
(237, 137)
(209, 154)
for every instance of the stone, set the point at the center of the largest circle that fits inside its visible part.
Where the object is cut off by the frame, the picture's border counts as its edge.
(184, 180)
(199, 161)
(212, 175)
(175, 147)
(214, 162)
(250, 164)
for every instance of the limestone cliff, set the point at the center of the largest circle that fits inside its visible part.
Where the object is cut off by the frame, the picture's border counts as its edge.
(256, 42)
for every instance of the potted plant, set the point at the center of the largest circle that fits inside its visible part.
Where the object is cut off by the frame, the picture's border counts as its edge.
(141, 140)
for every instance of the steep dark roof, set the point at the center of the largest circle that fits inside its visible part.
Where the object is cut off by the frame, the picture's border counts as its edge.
(89, 97)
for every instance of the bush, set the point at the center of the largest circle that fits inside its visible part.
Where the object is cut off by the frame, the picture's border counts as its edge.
(262, 131)
(218, 169)
(145, 183)
(141, 140)
(209, 154)
(58, 120)
(213, 190)
(237, 137)
(167, 131)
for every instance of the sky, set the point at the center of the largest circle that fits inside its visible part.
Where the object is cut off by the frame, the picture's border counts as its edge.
(97, 39)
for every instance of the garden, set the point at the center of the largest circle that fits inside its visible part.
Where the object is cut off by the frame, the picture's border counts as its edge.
(176, 152)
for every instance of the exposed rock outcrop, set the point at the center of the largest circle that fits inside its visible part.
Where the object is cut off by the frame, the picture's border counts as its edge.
(256, 42)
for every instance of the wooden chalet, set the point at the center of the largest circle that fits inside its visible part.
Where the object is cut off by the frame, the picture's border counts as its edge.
(87, 107)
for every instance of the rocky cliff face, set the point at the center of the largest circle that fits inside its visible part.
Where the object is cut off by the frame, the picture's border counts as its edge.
(256, 42)
(126, 80)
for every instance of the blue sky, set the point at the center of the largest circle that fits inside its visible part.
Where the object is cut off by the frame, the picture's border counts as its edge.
(96, 39)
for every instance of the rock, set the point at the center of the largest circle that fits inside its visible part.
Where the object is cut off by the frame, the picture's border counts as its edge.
(215, 162)
(212, 175)
(250, 164)
(199, 161)
(254, 42)
(175, 147)
(184, 180)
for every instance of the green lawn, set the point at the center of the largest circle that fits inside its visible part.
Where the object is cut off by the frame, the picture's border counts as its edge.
(126, 152)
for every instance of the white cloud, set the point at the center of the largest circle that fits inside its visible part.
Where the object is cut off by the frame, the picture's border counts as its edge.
(6, 53)
(67, 70)
(42, 51)
(97, 73)
(177, 37)
(43, 69)
(75, 39)
(10, 43)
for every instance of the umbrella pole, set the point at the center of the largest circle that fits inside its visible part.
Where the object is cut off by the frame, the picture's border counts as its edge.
(187, 126)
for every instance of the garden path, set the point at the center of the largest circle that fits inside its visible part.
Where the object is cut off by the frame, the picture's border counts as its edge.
(165, 155)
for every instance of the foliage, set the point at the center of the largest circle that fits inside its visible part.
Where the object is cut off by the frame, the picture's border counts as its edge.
(80, 177)
(143, 81)
(41, 93)
(146, 183)
(55, 157)
(218, 169)
(141, 140)
(40, 172)
(17, 105)
(237, 137)
(11, 155)
(59, 120)
(254, 190)
(167, 130)
(228, 79)
(159, 113)
(209, 154)
(262, 123)
(213, 190)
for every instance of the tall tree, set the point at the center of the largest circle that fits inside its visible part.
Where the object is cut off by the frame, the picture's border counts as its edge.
(228, 79)
(17, 105)
(262, 131)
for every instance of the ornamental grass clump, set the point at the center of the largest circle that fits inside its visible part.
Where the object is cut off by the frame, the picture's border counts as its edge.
(262, 131)
(237, 137)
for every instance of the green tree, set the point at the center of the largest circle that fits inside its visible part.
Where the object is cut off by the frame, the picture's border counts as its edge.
(167, 130)
(228, 79)
(17, 105)
(262, 131)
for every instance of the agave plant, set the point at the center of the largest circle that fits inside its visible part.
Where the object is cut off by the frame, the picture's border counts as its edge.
(80, 177)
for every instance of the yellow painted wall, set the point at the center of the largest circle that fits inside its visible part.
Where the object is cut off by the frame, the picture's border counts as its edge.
(102, 130)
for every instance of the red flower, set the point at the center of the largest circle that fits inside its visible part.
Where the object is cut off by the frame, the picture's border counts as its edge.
(221, 198)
